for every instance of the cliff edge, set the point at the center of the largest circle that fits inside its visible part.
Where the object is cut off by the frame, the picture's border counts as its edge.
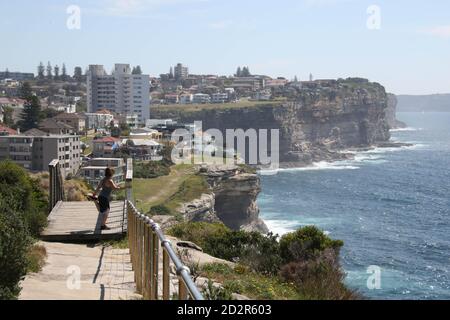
(316, 122)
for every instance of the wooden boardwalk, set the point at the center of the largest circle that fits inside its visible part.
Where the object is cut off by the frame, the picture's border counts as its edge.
(80, 221)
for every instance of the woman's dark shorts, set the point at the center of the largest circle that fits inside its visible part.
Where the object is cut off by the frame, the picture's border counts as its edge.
(103, 203)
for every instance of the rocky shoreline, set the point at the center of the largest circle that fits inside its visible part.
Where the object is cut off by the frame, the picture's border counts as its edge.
(339, 155)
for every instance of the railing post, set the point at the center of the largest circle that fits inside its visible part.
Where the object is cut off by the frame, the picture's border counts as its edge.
(129, 180)
(166, 275)
(182, 290)
(155, 274)
(56, 187)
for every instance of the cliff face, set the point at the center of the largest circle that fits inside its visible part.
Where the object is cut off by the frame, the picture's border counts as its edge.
(314, 125)
(232, 200)
(391, 113)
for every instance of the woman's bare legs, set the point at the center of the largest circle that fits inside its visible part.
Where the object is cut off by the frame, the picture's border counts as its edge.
(105, 217)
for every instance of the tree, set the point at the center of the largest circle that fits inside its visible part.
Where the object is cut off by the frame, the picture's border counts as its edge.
(56, 70)
(78, 74)
(25, 91)
(49, 71)
(8, 116)
(31, 114)
(64, 73)
(246, 72)
(137, 70)
(41, 71)
(238, 72)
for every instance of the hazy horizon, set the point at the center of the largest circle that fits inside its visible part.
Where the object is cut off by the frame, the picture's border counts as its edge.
(403, 45)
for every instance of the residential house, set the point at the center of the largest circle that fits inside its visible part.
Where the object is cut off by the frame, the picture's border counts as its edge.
(51, 126)
(171, 98)
(76, 121)
(94, 171)
(142, 149)
(186, 98)
(5, 131)
(105, 147)
(201, 98)
(219, 98)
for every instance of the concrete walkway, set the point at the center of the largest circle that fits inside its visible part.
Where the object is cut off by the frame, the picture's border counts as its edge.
(81, 272)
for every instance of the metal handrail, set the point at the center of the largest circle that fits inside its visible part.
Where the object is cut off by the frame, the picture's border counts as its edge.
(56, 185)
(145, 237)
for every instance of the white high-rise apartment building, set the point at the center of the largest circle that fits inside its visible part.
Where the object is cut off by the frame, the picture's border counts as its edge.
(120, 92)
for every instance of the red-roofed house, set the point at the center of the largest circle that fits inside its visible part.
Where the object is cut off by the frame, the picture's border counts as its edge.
(105, 147)
(5, 131)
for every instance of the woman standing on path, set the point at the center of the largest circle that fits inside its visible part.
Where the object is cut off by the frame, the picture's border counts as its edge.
(107, 186)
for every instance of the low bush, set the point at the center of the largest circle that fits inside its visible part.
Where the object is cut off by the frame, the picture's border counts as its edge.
(306, 243)
(151, 169)
(160, 210)
(320, 278)
(259, 252)
(198, 232)
(254, 285)
(14, 245)
(212, 292)
(36, 258)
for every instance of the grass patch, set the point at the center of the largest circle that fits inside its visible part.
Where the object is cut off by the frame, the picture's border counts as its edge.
(166, 193)
(253, 285)
(190, 189)
(214, 106)
(36, 257)
(116, 244)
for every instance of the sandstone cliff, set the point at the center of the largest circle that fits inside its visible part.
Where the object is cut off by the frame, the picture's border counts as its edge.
(232, 199)
(315, 123)
(391, 113)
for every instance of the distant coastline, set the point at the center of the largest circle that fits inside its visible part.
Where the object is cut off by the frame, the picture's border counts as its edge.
(424, 103)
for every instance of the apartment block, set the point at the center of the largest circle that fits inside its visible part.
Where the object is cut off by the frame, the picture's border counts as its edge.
(36, 152)
(181, 72)
(120, 92)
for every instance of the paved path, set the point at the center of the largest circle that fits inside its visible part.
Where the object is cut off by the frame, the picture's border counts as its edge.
(105, 274)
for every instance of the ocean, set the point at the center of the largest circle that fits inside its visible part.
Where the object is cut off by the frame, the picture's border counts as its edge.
(391, 207)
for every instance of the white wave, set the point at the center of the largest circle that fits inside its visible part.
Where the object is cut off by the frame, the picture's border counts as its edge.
(281, 227)
(406, 129)
(323, 165)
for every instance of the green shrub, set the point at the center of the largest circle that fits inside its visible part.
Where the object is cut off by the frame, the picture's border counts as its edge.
(23, 195)
(320, 278)
(306, 243)
(14, 244)
(212, 292)
(151, 169)
(160, 210)
(259, 252)
(36, 258)
(23, 214)
(198, 232)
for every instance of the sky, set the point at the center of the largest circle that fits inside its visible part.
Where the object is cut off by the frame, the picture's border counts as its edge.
(402, 44)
